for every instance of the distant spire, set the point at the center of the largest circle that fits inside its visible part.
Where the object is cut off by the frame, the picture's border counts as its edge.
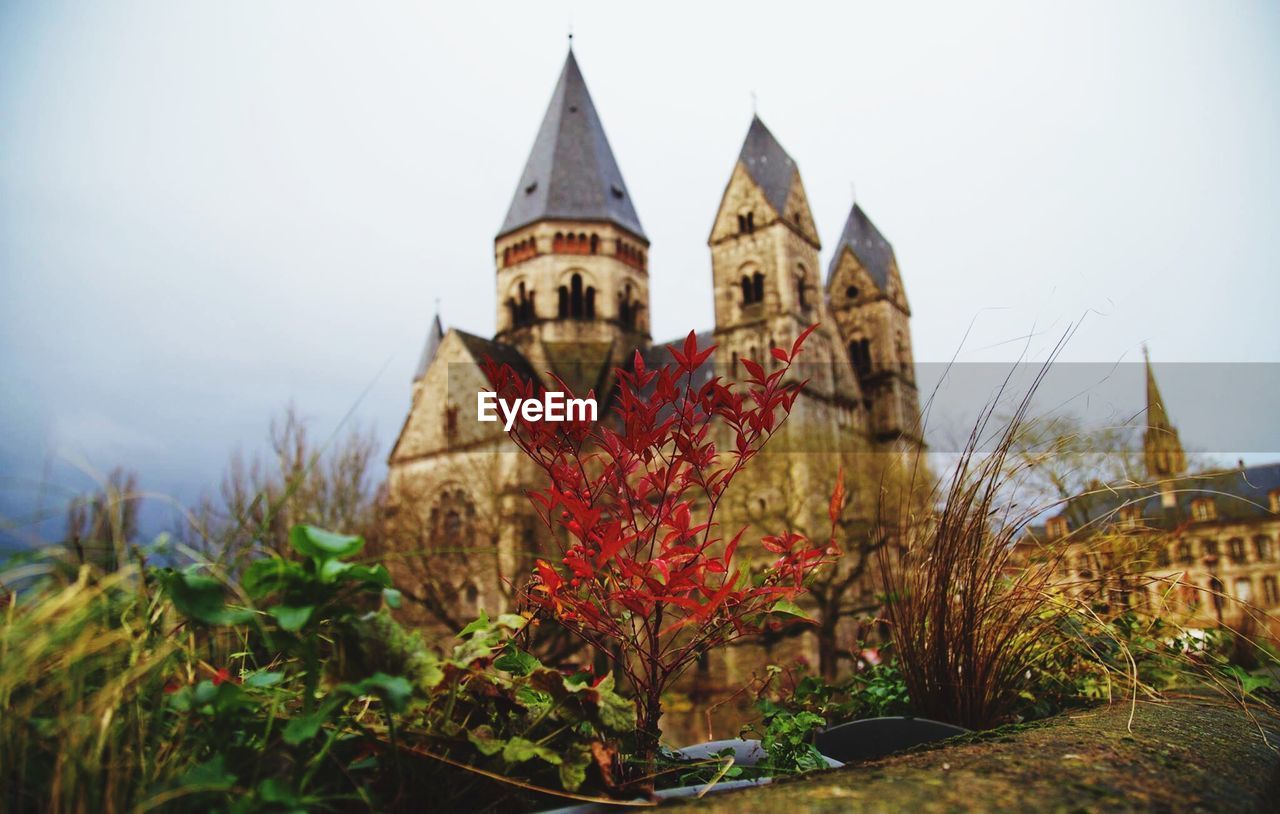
(1162, 450)
(434, 336)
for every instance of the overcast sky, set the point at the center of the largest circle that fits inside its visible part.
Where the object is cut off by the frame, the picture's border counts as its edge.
(207, 210)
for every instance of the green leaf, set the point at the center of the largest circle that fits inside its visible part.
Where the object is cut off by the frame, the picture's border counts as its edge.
(573, 770)
(512, 621)
(266, 576)
(330, 570)
(393, 690)
(275, 790)
(212, 774)
(480, 624)
(204, 693)
(519, 750)
(516, 661)
(262, 678)
(616, 712)
(323, 545)
(789, 608)
(304, 728)
(201, 597)
(485, 741)
(292, 618)
(370, 578)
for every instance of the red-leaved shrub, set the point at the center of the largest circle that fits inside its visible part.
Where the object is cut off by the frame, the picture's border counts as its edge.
(646, 571)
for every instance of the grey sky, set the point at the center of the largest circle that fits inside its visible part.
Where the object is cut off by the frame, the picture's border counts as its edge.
(209, 209)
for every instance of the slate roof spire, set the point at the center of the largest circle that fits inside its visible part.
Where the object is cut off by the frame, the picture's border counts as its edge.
(434, 335)
(1163, 453)
(571, 173)
(768, 164)
(873, 251)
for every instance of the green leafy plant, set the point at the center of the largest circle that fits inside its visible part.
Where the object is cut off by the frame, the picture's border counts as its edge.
(787, 739)
(496, 708)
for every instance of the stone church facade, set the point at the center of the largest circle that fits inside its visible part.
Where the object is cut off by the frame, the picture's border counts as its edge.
(572, 294)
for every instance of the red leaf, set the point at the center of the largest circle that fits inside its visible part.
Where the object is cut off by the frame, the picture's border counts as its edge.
(691, 344)
(837, 497)
(780, 355)
(795, 347)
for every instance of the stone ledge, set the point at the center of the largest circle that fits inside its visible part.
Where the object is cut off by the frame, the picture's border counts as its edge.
(1182, 755)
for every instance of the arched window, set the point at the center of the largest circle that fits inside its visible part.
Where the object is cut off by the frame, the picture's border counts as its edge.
(626, 309)
(1244, 589)
(747, 298)
(1235, 550)
(742, 224)
(564, 302)
(557, 243)
(1270, 594)
(1216, 590)
(521, 306)
(595, 243)
(591, 303)
(757, 285)
(801, 286)
(1056, 527)
(751, 222)
(1202, 509)
(1083, 567)
(860, 355)
(1262, 548)
(1185, 556)
(575, 296)
(451, 528)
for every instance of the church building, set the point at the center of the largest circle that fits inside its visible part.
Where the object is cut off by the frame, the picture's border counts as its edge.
(572, 300)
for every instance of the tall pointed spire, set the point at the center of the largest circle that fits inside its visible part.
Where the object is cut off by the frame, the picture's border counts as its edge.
(872, 250)
(571, 173)
(768, 164)
(434, 335)
(1162, 449)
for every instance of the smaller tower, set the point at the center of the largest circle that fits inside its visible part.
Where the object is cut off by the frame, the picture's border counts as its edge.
(866, 296)
(764, 246)
(764, 270)
(1162, 450)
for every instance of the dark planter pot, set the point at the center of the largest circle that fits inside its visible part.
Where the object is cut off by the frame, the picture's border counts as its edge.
(745, 753)
(867, 739)
(873, 738)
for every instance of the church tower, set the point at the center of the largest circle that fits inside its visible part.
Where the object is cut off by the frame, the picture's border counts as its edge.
(571, 256)
(1162, 450)
(866, 296)
(764, 266)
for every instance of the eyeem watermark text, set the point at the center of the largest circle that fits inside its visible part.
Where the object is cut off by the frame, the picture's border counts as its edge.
(553, 406)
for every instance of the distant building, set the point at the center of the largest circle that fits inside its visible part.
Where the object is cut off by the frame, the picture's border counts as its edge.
(1203, 544)
(572, 291)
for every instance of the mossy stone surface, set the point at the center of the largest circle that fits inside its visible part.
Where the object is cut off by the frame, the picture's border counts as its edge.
(1182, 755)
